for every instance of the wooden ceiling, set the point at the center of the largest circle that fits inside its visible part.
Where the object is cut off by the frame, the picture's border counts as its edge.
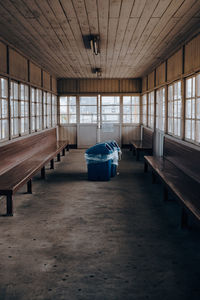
(135, 35)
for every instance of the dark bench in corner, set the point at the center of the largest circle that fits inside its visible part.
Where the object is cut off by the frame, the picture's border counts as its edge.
(21, 159)
(145, 145)
(179, 171)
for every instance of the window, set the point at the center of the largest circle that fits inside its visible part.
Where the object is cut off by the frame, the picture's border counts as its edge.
(38, 109)
(110, 109)
(67, 110)
(174, 109)
(144, 109)
(45, 109)
(33, 109)
(88, 109)
(192, 109)
(3, 109)
(131, 109)
(54, 110)
(151, 110)
(160, 109)
(48, 110)
(24, 109)
(14, 103)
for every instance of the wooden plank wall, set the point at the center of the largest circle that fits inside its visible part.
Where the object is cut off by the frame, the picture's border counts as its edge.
(16, 66)
(3, 58)
(184, 62)
(87, 86)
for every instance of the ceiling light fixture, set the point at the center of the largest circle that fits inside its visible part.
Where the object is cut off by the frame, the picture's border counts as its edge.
(97, 71)
(94, 44)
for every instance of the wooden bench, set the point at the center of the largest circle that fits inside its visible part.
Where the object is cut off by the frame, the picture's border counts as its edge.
(23, 158)
(145, 145)
(179, 171)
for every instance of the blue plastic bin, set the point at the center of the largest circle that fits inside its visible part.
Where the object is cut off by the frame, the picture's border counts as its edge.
(99, 161)
(114, 161)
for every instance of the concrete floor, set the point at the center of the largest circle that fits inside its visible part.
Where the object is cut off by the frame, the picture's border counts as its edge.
(74, 239)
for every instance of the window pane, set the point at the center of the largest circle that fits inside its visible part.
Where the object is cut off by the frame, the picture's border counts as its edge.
(110, 100)
(88, 100)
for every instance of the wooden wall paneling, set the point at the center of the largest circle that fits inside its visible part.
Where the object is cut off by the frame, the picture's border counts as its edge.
(18, 65)
(151, 80)
(130, 85)
(46, 80)
(174, 66)
(192, 55)
(3, 58)
(67, 86)
(35, 74)
(144, 84)
(54, 84)
(160, 74)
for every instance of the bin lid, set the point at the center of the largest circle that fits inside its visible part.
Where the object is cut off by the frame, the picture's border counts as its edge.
(102, 148)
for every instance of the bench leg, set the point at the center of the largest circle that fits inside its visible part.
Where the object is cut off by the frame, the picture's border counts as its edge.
(153, 177)
(52, 164)
(43, 172)
(145, 167)
(63, 152)
(58, 157)
(165, 194)
(29, 186)
(184, 219)
(67, 147)
(137, 155)
(9, 205)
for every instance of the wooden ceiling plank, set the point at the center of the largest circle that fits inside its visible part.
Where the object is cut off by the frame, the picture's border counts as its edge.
(144, 19)
(52, 21)
(125, 12)
(103, 13)
(138, 8)
(112, 30)
(114, 9)
(71, 48)
(161, 8)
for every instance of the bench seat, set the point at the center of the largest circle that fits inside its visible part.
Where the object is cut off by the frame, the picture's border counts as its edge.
(178, 170)
(21, 172)
(144, 145)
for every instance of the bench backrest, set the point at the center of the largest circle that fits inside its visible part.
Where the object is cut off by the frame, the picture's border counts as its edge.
(23, 148)
(147, 137)
(184, 157)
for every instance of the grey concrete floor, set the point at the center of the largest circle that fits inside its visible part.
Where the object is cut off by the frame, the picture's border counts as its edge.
(75, 239)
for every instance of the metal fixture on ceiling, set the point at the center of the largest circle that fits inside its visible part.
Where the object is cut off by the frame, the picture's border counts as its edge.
(92, 41)
(97, 71)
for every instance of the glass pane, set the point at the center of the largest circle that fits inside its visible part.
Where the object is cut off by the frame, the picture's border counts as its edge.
(63, 119)
(110, 118)
(115, 100)
(22, 125)
(198, 108)
(15, 90)
(4, 88)
(127, 119)
(88, 100)
(188, 129)
(4, 129)
(198, 85)
(189, 88)
(110, 109)
(188, 108)
(72, 109)
(63, 100)
(135, 119)
(88, 109)
(72, 100)
(127, 100)
(88, 118)
(22, 91)
(4, 108)
(127, 109)
(22, 108)
(33, 124)
(72, 119)
(198, 131)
